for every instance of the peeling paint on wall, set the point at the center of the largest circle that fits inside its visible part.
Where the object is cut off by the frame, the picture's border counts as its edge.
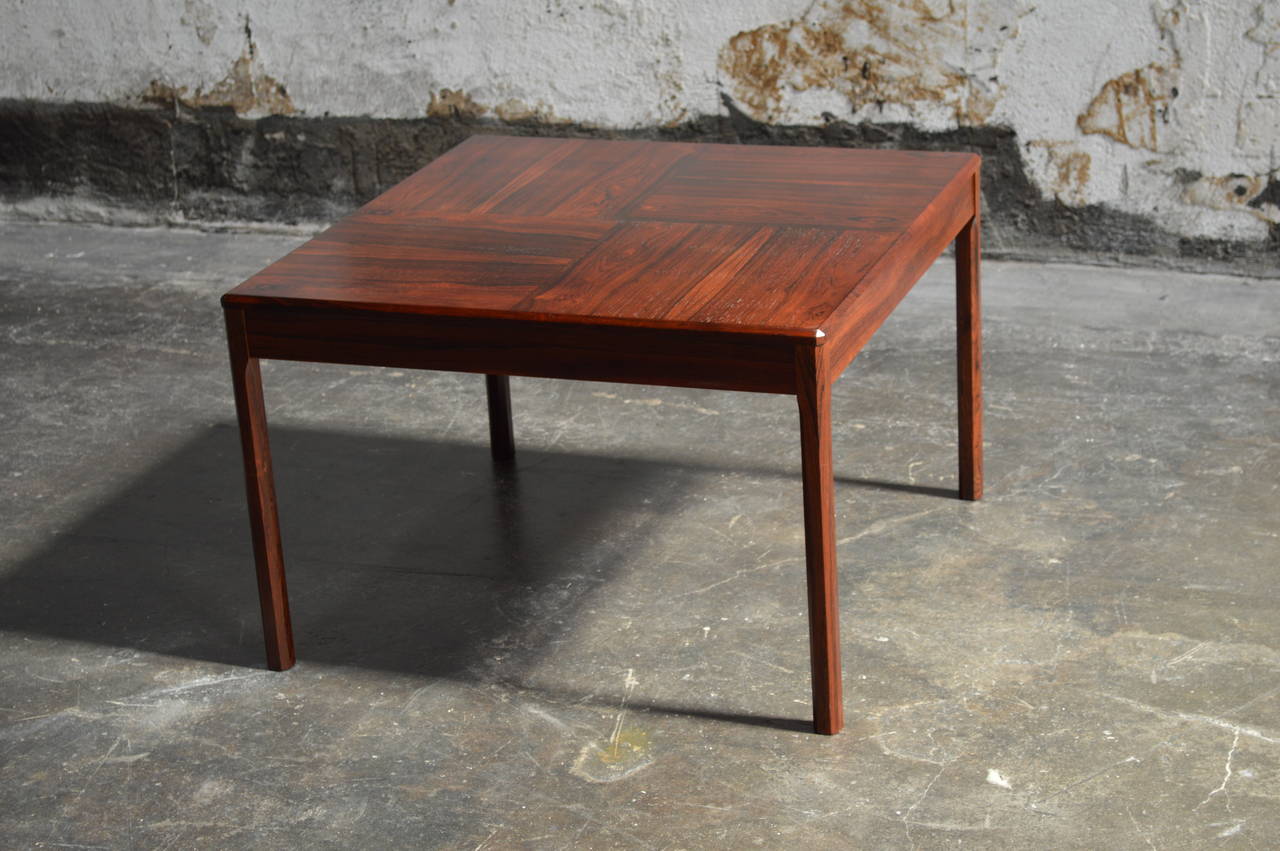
(1070, 167)
(1234, 190)
(873, 53)
(514, 110)
(245, 89)
(1252, 194)
(457, 104)
(451, 103)
(1132, 107)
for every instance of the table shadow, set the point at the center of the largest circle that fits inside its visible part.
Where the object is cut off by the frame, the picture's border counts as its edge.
(413, 556)
(899, 487)
(409, 555)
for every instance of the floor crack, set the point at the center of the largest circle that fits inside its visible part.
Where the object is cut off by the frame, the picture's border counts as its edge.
(1226, 778)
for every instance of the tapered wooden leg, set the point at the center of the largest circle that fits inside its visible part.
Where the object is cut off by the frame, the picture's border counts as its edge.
(814, 398)
(969, 357)
(264, 523)
(502, 441)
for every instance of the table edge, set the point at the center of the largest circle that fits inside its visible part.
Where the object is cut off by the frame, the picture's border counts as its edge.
(814, 335)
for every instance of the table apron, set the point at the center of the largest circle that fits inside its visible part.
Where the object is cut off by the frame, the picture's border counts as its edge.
(671, 357)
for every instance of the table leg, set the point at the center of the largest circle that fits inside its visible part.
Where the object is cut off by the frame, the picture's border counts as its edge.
(502, 441)
(969, 357)
(268, 553)
(813, 395)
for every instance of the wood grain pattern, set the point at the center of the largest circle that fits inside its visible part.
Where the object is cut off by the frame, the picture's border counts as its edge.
(813, 397)
(590, 231)
(638, 269)
(866, 305)
(741, 268)
(630, 354)
(264, 521)
(471, 174)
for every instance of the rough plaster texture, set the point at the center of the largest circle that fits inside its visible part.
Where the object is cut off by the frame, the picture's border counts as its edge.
(1167, 110)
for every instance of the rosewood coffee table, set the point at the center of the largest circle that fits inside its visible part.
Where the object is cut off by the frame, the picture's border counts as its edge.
(717, 266)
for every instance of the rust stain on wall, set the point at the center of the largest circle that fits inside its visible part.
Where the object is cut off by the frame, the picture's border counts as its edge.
(242, 90)
(1130, 108)
(872, 52)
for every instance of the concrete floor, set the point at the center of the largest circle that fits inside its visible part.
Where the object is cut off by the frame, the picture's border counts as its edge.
(608, 648)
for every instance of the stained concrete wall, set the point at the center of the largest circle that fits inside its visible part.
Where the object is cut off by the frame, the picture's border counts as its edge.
(1115, 118)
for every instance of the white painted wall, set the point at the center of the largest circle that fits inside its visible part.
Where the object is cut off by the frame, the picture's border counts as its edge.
(1037, 66)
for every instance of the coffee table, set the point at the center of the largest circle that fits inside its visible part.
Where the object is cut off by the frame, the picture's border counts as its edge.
(725, 267)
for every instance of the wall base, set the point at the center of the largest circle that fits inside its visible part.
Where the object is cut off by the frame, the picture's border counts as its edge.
(208, 167)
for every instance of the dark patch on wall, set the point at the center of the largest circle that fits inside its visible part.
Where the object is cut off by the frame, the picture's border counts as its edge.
(210, 165)
(1186, 176)
(1270, 194)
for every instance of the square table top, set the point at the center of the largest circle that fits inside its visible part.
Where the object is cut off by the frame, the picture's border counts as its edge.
(766, 240)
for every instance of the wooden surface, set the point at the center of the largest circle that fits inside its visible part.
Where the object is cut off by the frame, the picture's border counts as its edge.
(969, 352)
(814, 401)
(264, 522)
(740, 268)
(714, 237)
(502, 440)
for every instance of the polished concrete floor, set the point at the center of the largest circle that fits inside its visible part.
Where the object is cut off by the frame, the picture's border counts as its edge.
(606, 648)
